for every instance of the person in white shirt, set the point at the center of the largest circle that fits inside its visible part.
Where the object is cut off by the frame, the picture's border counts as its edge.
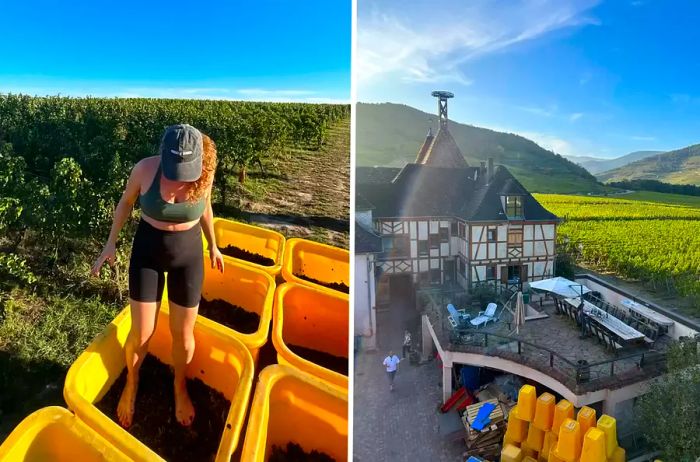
(391, 363)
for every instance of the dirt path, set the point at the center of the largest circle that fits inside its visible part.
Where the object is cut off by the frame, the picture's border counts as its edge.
(305, 193)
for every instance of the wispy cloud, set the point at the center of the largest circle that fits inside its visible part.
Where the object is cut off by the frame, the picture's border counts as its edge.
(575, 116)
(585, 78)
(430, 43)
(643, 138)
(551, 142)
(543, 111)
(684, 98)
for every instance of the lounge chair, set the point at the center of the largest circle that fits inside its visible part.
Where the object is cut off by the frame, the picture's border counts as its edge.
(485, 316)
(457, 318)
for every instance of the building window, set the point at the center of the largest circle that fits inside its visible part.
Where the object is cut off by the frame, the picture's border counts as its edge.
(514, 206)
(462, 231)
(422, 247)
(444, 235)
(515, 273)
(462, 268)
(397, 246)
(453, 228)
(424, 278)
(492, 235)
(434, 241)
(491, 271)
(515, 238)
(435, 276)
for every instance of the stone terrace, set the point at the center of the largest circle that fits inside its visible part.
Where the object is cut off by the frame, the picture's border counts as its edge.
(556, 333)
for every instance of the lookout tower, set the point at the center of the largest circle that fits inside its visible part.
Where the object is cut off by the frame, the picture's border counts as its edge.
(442, 97)
(441, 150)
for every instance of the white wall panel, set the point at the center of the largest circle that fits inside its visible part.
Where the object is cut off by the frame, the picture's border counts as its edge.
(422, 230)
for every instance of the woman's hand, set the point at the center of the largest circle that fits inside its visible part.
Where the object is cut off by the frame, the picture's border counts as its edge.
(217, 260)
(109, 254)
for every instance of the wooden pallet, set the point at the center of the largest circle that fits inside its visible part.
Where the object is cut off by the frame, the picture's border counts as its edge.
(470, 413)
(491, 452)
(488, 436)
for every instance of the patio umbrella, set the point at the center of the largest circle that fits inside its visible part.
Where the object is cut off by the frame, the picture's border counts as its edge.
(519, 318)
(561, 286)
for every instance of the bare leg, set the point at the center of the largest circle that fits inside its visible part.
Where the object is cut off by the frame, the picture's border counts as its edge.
(143, 324)
(182, 322)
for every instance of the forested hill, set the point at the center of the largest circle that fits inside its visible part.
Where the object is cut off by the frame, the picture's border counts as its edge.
(681, 166)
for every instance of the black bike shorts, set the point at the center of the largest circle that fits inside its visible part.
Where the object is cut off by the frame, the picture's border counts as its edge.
(178, 253)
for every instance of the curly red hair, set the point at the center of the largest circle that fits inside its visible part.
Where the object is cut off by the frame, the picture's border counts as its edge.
(202, 185)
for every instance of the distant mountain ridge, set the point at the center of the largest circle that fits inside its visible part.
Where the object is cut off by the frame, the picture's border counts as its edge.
(597, 165)
(681, 166)
(391, 135)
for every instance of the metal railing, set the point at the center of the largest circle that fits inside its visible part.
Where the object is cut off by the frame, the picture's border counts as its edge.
(577, 375)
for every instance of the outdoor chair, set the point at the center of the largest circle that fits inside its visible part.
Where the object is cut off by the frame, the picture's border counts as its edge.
(457, 318)
(485, 316)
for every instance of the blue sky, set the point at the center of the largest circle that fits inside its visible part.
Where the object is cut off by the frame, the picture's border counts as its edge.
(580, 77)
(258, 50)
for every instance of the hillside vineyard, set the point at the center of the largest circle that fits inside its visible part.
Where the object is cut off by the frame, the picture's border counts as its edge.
(656, 243)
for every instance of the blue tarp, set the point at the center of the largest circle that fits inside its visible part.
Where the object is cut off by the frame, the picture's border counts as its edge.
(470, 377)
(482, 417)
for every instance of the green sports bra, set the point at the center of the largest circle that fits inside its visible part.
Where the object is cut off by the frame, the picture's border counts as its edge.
(153, 205)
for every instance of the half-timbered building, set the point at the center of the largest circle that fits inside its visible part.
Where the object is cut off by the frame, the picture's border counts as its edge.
(444, 222)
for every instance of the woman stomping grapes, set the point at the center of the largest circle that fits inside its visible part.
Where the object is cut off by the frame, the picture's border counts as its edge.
(174, 191)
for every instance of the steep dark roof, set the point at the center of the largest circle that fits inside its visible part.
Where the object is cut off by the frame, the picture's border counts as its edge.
(426, 191)
(371, 175)
(366, 241)
(443, 152)
(362, 204)
(425, 147)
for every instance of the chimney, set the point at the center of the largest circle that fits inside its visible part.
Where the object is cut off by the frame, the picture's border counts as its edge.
(490, 172)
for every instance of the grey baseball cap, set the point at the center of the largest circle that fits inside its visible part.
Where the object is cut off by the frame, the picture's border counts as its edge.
(181, 153)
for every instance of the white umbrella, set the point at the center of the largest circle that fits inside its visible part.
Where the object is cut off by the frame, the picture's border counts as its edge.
(561, 286)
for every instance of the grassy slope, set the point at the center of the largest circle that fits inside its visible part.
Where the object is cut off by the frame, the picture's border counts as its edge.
(596, 166)
(681, 166)
(43, 329)
(303, 193)
(391, 134)
(674, 199)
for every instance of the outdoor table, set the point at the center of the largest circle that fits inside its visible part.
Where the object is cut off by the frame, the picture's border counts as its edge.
(647, 313)
(624, 332)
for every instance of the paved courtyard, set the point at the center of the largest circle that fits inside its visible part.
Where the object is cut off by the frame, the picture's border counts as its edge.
(401, 425)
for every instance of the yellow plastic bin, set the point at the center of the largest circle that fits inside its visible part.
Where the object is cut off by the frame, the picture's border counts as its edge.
(517, 428)
(594, 446)
(311, 318)
(243, 286)
(544, 413)
(527, 401)
(254, 239)
(55, 434)
(221, 361)
(292, 406)
(511, 453)
(562, 411)
(321, 262)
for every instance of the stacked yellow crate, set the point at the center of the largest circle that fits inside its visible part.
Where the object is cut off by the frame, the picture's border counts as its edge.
(540, 430)
(295, 401)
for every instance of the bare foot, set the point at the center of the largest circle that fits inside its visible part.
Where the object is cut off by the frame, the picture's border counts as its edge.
(125, 408)
(184, 410)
